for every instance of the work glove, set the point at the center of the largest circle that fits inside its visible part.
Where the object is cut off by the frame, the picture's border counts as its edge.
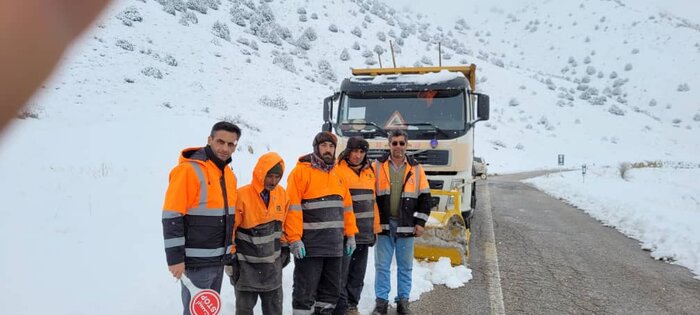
(232, 269)
(285, 256)
(297, 249)
(350, 245)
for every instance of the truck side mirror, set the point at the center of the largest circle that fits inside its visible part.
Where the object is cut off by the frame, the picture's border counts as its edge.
(482, 111)
(327, 108)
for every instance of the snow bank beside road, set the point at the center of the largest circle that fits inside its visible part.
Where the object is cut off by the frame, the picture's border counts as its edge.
(660, 207)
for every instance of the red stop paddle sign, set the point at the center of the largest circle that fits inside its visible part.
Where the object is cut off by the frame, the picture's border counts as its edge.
(203, 301)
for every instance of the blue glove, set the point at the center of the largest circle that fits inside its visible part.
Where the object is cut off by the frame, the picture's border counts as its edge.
(350, 245)
(297, 249)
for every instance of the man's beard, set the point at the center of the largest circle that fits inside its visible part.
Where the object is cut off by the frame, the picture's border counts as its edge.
(328, 158)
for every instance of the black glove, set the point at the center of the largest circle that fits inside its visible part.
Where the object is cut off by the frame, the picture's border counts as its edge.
(232, 270)
(285, 256)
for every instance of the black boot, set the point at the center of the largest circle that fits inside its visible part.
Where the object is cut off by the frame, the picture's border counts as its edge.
(402, 307)
(381, 307)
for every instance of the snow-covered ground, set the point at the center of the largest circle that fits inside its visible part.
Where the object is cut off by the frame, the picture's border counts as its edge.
(660, 207)
(82, 184)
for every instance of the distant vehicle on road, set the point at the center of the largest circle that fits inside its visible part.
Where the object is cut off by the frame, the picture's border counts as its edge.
(480, 167)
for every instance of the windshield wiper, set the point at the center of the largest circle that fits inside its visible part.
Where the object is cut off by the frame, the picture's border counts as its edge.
(372, 124)
(435, 128)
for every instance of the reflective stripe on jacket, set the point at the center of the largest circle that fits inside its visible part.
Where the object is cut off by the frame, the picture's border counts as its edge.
(197, 223)
(320, 210)
(364, 204)
(258, 230)
(414, 206)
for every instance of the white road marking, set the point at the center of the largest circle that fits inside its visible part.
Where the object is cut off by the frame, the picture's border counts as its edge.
(492, 273)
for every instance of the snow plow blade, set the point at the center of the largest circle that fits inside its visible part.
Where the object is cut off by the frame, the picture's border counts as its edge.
(446, 234)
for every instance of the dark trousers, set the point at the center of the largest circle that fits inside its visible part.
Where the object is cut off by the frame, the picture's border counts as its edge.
(316, 284)
(354, 268)
(204, 278)
(270, 301)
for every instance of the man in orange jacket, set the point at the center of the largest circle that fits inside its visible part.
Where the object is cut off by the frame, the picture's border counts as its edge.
(355, 169)
(199, 210)
(256, 269)
(320, 227)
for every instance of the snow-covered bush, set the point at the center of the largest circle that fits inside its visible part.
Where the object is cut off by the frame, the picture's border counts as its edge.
(370, 61)
(310, 33)
(367, 53)
(696, 117)
(356, 46)
(170, 60)
(302, 18)
(356, 31)
(200, 6)
(590, 70)
(221, 30)
(325, 71)
(613, 75)
(381, 36)
(378, 50)
(129, 16)
(344, 55)
(314, 16)
(284, 61)
(152, 72)
(683, 87)
(623, 168)
(652, 102)
(243, 41)
(187, 18)
(513, 102)
(676, 121)
(628, 67)
(426, 60)
(333, 28)
(301, 10)
(587, 60)
(616, 110)
(277, 102)
(254, 45)
(303, 43)
(635, 51)
(125, 44)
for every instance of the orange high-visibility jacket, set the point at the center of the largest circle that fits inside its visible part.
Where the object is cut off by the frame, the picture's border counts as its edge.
(198, 211)
(320, 210)
(258, 229)
(364, 204)
(415, 202)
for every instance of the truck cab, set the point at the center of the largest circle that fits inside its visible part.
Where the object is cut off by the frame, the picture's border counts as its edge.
(436, 106)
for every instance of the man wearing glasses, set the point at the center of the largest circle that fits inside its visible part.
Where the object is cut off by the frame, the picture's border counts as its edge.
(198, 213)
(403, 198)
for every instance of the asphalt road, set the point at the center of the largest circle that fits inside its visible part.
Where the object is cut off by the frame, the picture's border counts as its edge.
(533, 254)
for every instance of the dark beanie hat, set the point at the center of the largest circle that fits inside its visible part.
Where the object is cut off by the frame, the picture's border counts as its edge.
(357, 142)
(277, 169)
(325, 136)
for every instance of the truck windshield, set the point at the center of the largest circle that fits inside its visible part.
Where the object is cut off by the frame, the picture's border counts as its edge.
(424, 115)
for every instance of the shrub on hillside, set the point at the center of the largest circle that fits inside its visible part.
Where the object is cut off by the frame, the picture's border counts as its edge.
(125, 44)
(310, 33)
(284, 61)
(188, 17)
(221, 30)
(356, 45)
(152, 72)
(683, 87)
(356, 31)
(345, 55)
(426, 60)
(628, 67)
(333, 28)
(381, 36)
(616, 110)
(513, 102)
(129, 16)
(277, 102)
(325, 71)
(200, 6)
(303, 18)
(314, 16)
(303, 43)
(170, 60)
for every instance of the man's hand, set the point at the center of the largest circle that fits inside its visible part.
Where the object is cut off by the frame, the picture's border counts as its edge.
(418, 230)
(177, 270)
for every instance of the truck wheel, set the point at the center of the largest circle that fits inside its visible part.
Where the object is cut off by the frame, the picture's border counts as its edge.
(483, 176)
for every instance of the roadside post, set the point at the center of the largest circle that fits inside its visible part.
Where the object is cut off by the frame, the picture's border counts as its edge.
(561, 159)
(583, 172)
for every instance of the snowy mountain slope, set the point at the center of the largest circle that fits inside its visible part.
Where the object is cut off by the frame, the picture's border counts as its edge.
(84, 182)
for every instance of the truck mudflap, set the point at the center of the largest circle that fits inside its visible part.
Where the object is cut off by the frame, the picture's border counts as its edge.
(446, 234)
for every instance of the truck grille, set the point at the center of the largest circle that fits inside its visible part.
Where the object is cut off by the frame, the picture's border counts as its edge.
(425, 157)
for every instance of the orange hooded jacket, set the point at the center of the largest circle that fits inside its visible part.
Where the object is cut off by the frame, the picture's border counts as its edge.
(258, 229)
(362, 189)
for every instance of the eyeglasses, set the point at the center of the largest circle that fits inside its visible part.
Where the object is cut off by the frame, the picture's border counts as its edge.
(399, 143)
